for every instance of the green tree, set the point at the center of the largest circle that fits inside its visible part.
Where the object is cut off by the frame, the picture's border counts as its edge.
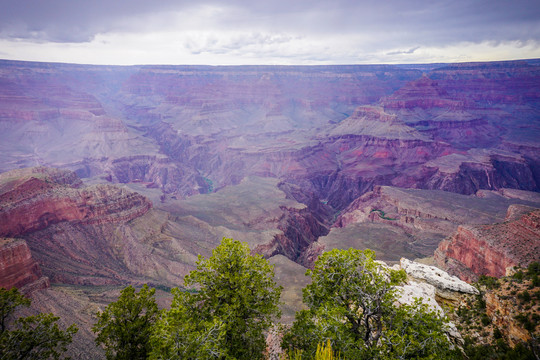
(351, 302)
(32, 337)
(124, 327)
(235, 301)
(9, 301)
(181, 334)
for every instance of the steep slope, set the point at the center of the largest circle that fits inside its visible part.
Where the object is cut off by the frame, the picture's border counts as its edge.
(18, 268)
(104, 234)
(34, 198)
(398, 222)
(475, 250)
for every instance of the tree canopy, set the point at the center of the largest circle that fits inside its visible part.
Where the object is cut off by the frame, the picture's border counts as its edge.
(234, 300)
(31, 337)
(352, 302)
(124, 327)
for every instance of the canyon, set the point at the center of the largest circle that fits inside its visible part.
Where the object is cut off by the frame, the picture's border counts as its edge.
(114, 175)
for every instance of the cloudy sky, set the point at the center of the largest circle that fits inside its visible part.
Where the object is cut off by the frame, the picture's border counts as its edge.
(268, 32)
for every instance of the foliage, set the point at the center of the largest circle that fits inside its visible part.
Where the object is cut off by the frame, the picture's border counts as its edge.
(519, 275)
(351, 302)
(525, 296)
(236, 300)
(498, 350)
(533, 268)
(9, 301)
(485, 319)
(180, 334)
(124, 327)
(489, 282)
(324, 352)
(32, 337)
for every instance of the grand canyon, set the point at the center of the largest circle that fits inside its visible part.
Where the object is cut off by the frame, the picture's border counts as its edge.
(118, 175)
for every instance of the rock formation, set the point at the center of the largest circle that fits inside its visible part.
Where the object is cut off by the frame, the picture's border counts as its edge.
(434, 287)
(490, 249)
(502, 312)
(447, 287)
(41, 204)
(336, 131)
(33, 199)
(18, 268)
(398, 222)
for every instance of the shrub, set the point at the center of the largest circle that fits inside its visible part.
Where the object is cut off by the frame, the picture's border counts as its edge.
(525, 296)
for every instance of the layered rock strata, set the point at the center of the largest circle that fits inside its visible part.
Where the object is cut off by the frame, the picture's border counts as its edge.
(490, 249)
(337, 131)
(43, 205)
(18, 268)
(34, 199)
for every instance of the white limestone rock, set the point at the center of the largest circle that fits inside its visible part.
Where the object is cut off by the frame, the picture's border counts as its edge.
(436, 277)
(426, 292)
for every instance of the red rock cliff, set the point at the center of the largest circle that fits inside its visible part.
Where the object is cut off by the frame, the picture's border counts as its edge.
(31, 200)
(35, 199)
(489, 249)
(18, 268)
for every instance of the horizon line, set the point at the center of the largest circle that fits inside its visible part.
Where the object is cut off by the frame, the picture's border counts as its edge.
(273, 65)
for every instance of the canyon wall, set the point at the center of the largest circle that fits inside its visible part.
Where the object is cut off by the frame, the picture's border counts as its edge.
(491, 249)
(336, 131)
(33, 199)
(18, 268)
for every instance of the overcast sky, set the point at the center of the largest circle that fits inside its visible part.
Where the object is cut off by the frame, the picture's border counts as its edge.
(268, 32)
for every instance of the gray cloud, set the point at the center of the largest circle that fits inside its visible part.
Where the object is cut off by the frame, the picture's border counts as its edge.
(430, 21)
(338, 30)
(404, 52)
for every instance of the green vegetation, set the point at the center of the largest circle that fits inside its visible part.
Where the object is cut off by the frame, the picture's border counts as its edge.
(382, 214)
(484, 340)
(124, 327)
(351, 303)
(236, 301)
(32, 337)
(489, 282)
(498, 350)
(210, 184)
(352, 314)
(324, 352)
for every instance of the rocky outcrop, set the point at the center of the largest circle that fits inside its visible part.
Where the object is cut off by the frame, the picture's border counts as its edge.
(490, 249)
(434, 288)
(32, 200)
(299, 227)
(447, 287)
(418, 290)
(18, 268)
(502, 312)
(299, 230)
(466, 174)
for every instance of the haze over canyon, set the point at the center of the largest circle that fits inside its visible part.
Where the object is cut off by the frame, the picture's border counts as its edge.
(117, 175)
